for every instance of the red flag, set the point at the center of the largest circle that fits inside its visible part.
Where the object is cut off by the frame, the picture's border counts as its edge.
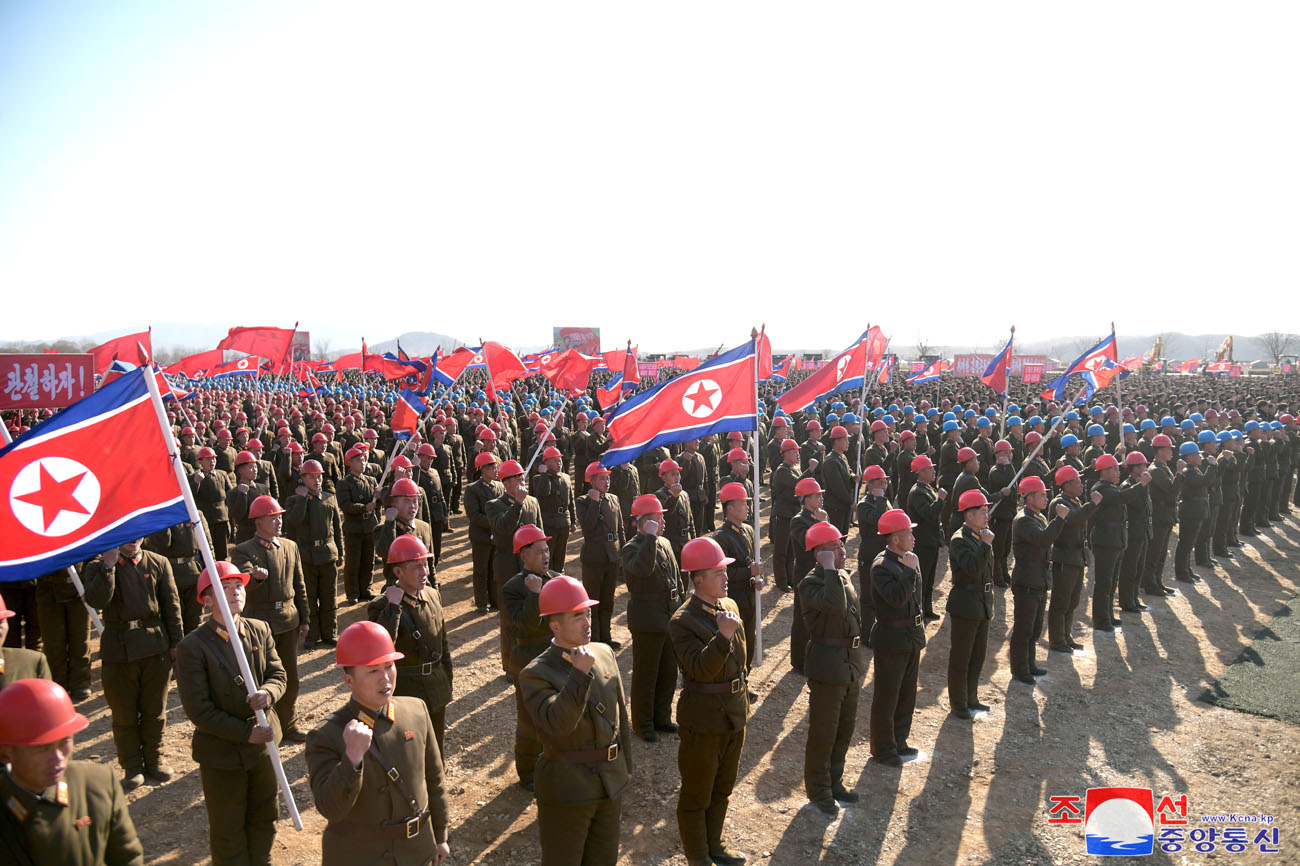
(193, 365)
(270, 343)
(366, 361)
(569, 370)
(685, 362)
(504, 366)
(764, 355)
(614, 359)
(133, 348)
(844, 372)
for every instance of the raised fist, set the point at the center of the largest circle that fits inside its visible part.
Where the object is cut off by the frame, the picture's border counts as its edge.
(943, 494)
(728, 622)
(1062, 510)
(594, 495)
(356, 740)
(1096, 497)
(394, 594)
(986, 535)
(533, 582)
(583, 658)
(911, 561)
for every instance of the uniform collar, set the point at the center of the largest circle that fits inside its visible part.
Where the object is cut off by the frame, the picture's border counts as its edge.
(224, 634)
(268, 543)
(369, 718)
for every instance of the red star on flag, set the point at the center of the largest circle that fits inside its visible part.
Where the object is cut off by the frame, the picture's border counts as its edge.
(55, 497)
(701, 395)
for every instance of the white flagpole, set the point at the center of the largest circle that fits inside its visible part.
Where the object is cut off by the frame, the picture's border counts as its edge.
(862, 409)
(1039, 447)
(209, 562)
(758, 540)
(72, 572)
(541, 444)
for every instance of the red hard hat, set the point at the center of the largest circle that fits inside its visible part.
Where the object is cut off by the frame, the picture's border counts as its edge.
(789, 445)
(509, 469)
(295, 447)
(971, 499)
(319, 437)
(920, 462)
(223, 433)
(894, 520)
(670, 465)
(838, 432)
(1135, 458)
(813, 424)
(877, 425)
(906, 435)
(370, 433)
(353, 453)
(539, 427)
(401, 461)
(731, 491)
(701, 553)
(1032, 484)
(205, 452)
(255, 445)
(736, 454)
(528, 534)
(736, 435)
(552, 453)
(779, 421)
(807, 487)
(484, 458)
(245, 457)
(311, 467)
(1001, 445)
(327, 428)
(821, 533)
(873, 473)
(406, 548)
(36, 712)
(404, 487)
(562, 594)
(363, 644)
(1064, 474)
(224, 570)
(283, 431)
(1160, 440)
(264, 506)
(646, 503)
(425, 450)
(1033, 437)
(187, 430)
(487, 435)
(1106, 461)
(594, 468)
(966, 454)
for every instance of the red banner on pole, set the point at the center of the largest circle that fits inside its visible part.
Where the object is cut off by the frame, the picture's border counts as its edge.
(45, 381)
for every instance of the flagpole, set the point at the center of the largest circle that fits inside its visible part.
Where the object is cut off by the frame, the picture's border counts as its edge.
(72, 572)
(758, 541)
(867, 388)
(1039, 447)
(209, 562)
(541, 444)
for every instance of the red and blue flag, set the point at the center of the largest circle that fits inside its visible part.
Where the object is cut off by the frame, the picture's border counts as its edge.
(1094, 368)
(930, 373)
(406, 413)
(781, 372)
(844, 372)
(995, 374)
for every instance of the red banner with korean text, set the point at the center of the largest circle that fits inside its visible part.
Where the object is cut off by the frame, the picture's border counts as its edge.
(45, 381)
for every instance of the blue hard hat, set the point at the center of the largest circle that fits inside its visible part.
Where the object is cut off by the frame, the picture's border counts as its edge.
(1147, 424)
(969, 413)
(1197, 417)
(1127, 428)
(1206, 436)
(991, 412)
(909, 409)
(850, 418)
(837, 405)
(832, 418)
(888, 419)
(1095, 410)
(1252, 424)
(1168, 421)
(950, 425)
(1188, 448)
(1238, 435)
(956, 407)
(1096, 430)
(949, 416)
(1013, 409)
(1276, 425)
(1013, 421)
(1186, 424)
(1225, 435)
(1069, 439)
(1034, 419)
(1072, 415)
(877, 412)
(931, 412)
(983, 422)
(893, 407)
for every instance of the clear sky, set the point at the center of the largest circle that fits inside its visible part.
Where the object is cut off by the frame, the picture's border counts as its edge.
(672, 172)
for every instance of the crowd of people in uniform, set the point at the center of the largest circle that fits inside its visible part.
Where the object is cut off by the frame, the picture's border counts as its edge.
(295, 491)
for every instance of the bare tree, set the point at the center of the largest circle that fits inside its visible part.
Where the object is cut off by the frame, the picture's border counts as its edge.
(923, 347)
(1276, 344)
(322, 348)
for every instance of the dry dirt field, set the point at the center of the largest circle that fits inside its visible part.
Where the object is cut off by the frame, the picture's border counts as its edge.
(1125, 711)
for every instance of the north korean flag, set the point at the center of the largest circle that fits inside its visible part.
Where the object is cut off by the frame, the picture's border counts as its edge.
(846, 371)
(95, 475)
(718, 396)
(406, 413)
(781, 372)
(995, 374)
(930, 373)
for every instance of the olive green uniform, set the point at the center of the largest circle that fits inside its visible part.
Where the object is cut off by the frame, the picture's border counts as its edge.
(970, 608)
(239, 783)
(896, 643)
(532, 637)
(506, 516)
(354, 494)
(554, 494)
(581, 719)
(17, 663)
(655, 591)
(65, 631)
(419, 632)
(603, 536)
(315, 524)
(177, 544)
(80, 821)
(142, 624)
(210, 496)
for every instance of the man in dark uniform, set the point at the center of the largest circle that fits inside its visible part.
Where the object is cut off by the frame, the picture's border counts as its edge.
(625, 485)
(519, 598)
(1214, 490)
(1031, 579)
(677, 523)
(785, 505)
(738, 460)
(574, 696)
(410, 610)
(1193, 507)
(694, 481)
(265, 469)
(240, 788)
(1109, 536)
(277, 595)
(837, 479)
(477, 496)
(736, 538)
(970, 601)
(333, 472)
(896, 640)
(1164, 514)
(1230, 484)
(654, 592)
(967, 479)
(400, 520)
(600, 514)
(713, 709)
(553, 490)
(246, 489)
(925, 506)
(356, 500)
(1069, 560)
(874, 503)
(19, 663)
(835, 665)
(809, 495)
(1138, 514)
(142, 626)
(177, 544)
(210, 486)
(375, 768)
(1003, 512)
(315, 524)
(509, 511)
(55, 811)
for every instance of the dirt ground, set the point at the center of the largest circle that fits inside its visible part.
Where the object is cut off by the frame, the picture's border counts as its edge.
(1126, 711)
